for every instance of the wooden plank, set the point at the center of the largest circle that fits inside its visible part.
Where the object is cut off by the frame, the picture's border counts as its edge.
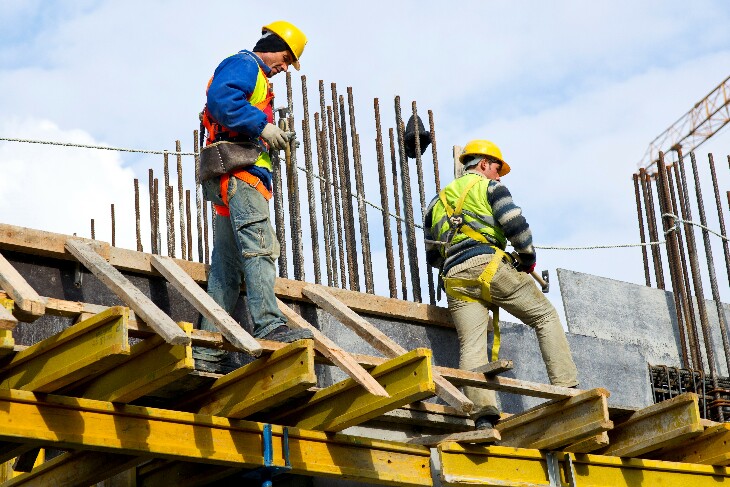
(712, 447)
(426, 421)
(334, 353)
(37, 242)
(7, 320)
(266, 382)
(89, 347)
(381, 342)
(407, 378)
(151, 365)
(558, 423)
(133, 297)
(24, 296)
(496, 367)
(589, 444)
(206, 305)
(476, 436)
(84, 424)
(658, 426)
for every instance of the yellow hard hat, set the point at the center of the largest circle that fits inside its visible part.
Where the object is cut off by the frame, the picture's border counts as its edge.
(294, 38)
(480, 147)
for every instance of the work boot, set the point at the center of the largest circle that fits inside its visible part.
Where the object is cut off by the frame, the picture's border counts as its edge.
(487, 422)
(285, 334)
(216, 367)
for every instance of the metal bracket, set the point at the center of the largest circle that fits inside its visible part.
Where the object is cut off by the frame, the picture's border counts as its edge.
(78, 276)
(553, 468)
(266, 473)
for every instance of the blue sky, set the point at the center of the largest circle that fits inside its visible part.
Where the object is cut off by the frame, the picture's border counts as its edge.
(573, 92)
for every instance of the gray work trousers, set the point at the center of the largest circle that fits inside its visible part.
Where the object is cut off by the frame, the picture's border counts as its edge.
(516, 293)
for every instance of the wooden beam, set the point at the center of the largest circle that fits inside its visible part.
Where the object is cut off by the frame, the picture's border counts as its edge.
(407, 378)
(558, 423)
(381, 342)
(494, 368)
(658, 426)
(133, 297)
(134, 430)
(89, 347)
(476, 436)
(712, 447)
(26, 299)
(47, 244)
(7, 320)
(589, 444)
(186, 286)
(334, 353)
(264, 383)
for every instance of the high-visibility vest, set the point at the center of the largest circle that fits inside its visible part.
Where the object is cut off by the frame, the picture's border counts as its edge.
(463, 211)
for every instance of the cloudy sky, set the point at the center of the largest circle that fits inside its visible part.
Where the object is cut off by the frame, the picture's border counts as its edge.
(572, 92)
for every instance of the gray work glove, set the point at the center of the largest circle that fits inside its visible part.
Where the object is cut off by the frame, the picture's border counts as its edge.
(276, 137)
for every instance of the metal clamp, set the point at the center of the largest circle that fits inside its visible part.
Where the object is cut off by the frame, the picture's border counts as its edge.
(268, 471)
(553, 468)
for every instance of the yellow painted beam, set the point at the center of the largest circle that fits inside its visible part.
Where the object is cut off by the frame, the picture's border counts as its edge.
(80, 424)
(407, 378)
(519, 467)
(77, 468)
(89, 347)
(7, 320)
(712, 447)
(264, 383)
(151, 365)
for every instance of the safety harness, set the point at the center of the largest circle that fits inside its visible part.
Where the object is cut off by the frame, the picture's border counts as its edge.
(484, 281)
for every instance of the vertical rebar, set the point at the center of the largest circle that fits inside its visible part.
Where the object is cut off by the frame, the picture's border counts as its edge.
(651, 222)
(384, 202)
(206, 247)
(158, 235)
(138, 232)
(198, 195)
(168, 203)
(408, 205)
(188, 215)
(697, 279)
(434, 154)
(367, 262)
(181, 203)
(691, 317)
(710, 261)
(114, 227)
(292, 184)
(213, 219)
(311, 199)
(720, 215)
(642, 235)
(324, 194)
(331, 234)
(336, 191)
(398, 226)
(93, 230)
(345, 187)
(170, 193)
(422, 194)
(279, 212)
(153, 235)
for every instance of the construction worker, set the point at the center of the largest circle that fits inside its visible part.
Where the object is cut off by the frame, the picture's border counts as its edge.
(239, 110)
(467, 227)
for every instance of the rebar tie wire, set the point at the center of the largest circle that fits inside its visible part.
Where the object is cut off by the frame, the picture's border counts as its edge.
(676, 227)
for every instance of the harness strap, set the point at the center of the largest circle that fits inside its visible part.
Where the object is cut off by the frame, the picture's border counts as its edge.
(247, 178)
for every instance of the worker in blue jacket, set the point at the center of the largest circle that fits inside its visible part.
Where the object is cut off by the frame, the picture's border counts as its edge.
(239, 109)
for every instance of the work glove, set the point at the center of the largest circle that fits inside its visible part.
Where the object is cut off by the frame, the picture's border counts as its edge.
(526, 269)
(276, 138)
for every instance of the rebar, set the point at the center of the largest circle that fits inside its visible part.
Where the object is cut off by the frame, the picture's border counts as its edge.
(434, 154)
(384, 202)
(198, 196)
(408, 205)
(188, 215)
(158, 235)
(332, 232)
(181, 203)
(361, 208)
(171, 244)
(651, 222)
(338, 207)
(213, 221)
(720, 215)
(642, 235)
(345, 187)
(138, 231)
(398, 226)
(168, 203)
(206, 250)
(93, 230)
(710, 261)
(422, 194)
(292, 183)
(153, 235)
(690, 316)
(279, 212)
(322, 164)
(114, 227)
(697, 279)
(311, 199)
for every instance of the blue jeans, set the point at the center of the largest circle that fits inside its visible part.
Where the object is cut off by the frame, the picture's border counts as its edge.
(244, 250)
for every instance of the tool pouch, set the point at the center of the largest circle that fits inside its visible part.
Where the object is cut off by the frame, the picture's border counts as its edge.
(223, 157)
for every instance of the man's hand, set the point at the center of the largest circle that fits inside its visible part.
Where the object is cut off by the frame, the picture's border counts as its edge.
(526, 269)
(277, 138)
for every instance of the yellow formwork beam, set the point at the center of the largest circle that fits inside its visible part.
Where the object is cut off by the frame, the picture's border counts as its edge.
(6, 335)
(407, 378)
(84, 424)
(710, 448)
(77, 468)
(518, 467)
(88, 347)
(266, 382)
